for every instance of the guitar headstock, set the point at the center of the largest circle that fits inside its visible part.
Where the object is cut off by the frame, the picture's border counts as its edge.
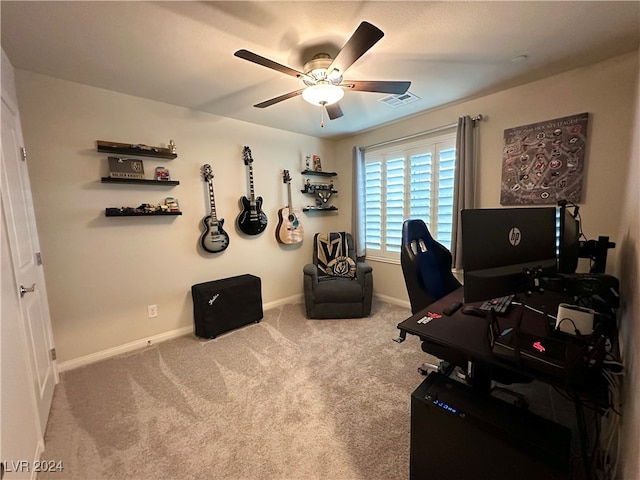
(207, 173)
(246, 156)
(286, 178)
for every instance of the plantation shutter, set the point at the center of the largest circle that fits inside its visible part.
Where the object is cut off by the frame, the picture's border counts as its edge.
(446, 173)
(394, 213)
(373, 205)
(415, 180)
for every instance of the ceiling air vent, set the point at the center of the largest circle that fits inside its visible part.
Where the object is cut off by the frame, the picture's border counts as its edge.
(396, 101)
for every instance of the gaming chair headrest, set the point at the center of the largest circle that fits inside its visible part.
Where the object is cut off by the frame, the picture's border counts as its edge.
(416, 237)
(415, 230)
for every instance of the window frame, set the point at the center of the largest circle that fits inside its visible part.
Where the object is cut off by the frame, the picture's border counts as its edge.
(431, 144)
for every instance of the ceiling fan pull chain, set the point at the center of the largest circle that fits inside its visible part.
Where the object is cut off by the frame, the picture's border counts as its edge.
(322, 115)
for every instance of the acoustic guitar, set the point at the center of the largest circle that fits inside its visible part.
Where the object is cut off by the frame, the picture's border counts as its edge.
(289, 230)
(214, 239)
(252, 220)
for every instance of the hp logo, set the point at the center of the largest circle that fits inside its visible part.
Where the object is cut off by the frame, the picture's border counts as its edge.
(515, 236)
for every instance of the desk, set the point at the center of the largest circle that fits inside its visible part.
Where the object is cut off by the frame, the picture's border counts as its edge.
(463, 340)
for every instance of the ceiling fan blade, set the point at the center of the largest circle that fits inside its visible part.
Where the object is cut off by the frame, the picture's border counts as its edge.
(265, 62)
(365, 37)
(397, 88)
(334, 111)
(268, 103)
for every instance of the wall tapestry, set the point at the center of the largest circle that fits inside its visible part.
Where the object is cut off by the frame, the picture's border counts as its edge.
(544, 162)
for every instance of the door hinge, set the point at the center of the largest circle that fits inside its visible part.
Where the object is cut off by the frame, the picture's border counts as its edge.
(39, 258)
(23, 153)
(54, 356)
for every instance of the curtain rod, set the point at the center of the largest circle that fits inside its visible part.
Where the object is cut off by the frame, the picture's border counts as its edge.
(427, 132)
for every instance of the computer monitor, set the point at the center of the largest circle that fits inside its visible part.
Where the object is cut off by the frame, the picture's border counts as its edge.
(568, 240)
(499, 247)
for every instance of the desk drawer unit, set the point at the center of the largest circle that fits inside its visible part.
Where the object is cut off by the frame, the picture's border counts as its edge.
(223, 305)
(457, 434)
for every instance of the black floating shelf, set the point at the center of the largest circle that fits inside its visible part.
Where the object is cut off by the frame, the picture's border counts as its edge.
(140, 181)
(319, 209)
(320, 174)
(115, 212)
(132, 149)
(314, 190)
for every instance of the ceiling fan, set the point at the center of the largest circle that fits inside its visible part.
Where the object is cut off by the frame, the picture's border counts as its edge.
(324, 76)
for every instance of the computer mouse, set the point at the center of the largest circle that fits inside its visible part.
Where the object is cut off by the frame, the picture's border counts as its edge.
(475, 311)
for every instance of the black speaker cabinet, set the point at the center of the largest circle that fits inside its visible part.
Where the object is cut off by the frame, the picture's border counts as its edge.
(223, 305)
(458, 434)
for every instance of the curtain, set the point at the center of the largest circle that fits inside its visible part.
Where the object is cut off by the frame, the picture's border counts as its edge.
(463, 190)
(357, 202)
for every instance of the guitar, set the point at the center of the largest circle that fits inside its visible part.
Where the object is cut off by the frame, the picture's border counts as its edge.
(289, 230)
(252, 220)
(214, 239)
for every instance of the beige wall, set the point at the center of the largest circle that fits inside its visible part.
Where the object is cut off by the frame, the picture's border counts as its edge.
(606, 90)
(103, 272)
(629, 271)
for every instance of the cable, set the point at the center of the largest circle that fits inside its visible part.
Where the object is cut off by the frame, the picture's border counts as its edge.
(592, 460)
(575, 329)
(610, 439)
(575, 215)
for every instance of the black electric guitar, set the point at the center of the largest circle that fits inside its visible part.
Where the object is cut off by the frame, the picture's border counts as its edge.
(214, 239)
(289, 230)
(252, 220)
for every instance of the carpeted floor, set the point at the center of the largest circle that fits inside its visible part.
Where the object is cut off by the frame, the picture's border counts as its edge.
(288, 398)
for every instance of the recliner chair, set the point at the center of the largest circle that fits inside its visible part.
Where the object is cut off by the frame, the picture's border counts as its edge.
(426, 265)
(336, 285)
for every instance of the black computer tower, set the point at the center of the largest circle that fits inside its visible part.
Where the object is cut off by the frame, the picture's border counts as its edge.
(223, 305)
(458, 433)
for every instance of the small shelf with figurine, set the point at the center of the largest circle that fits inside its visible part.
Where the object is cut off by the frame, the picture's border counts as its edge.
(143, 181)
(322, 191)
(319, 174)
(134, 212)
(170, 206)
(323, 188)
(313, 166)
(137, 149)
(129, 170)
(318, 209)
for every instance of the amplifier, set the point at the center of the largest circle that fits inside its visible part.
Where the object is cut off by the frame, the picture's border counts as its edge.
(223, 305)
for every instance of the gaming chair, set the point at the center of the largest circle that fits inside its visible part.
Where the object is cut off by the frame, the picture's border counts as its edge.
(426, 266)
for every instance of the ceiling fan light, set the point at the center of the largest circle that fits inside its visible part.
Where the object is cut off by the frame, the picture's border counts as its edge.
(335, 76)
(323, 94)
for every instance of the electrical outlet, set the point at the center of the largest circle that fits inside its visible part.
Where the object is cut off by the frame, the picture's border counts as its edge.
(152, 310)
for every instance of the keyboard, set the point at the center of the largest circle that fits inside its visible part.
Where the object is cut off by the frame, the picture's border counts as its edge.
(499, 304)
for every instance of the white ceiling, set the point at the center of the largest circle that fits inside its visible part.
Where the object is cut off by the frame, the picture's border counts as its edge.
(181, 53)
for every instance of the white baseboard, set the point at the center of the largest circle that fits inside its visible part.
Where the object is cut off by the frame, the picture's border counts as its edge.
(39, 452)
(393, 300)
(284, 301)
(124, 348)
(152, 340)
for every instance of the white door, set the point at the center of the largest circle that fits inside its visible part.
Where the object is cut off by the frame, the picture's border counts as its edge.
(22, 437)
(27, 269)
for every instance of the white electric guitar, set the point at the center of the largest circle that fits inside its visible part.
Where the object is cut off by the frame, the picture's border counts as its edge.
(214, 239)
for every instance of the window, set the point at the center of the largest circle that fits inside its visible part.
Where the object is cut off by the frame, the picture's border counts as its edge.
(412, 180)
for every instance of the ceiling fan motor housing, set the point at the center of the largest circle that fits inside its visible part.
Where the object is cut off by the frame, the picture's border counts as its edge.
(316, 69)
